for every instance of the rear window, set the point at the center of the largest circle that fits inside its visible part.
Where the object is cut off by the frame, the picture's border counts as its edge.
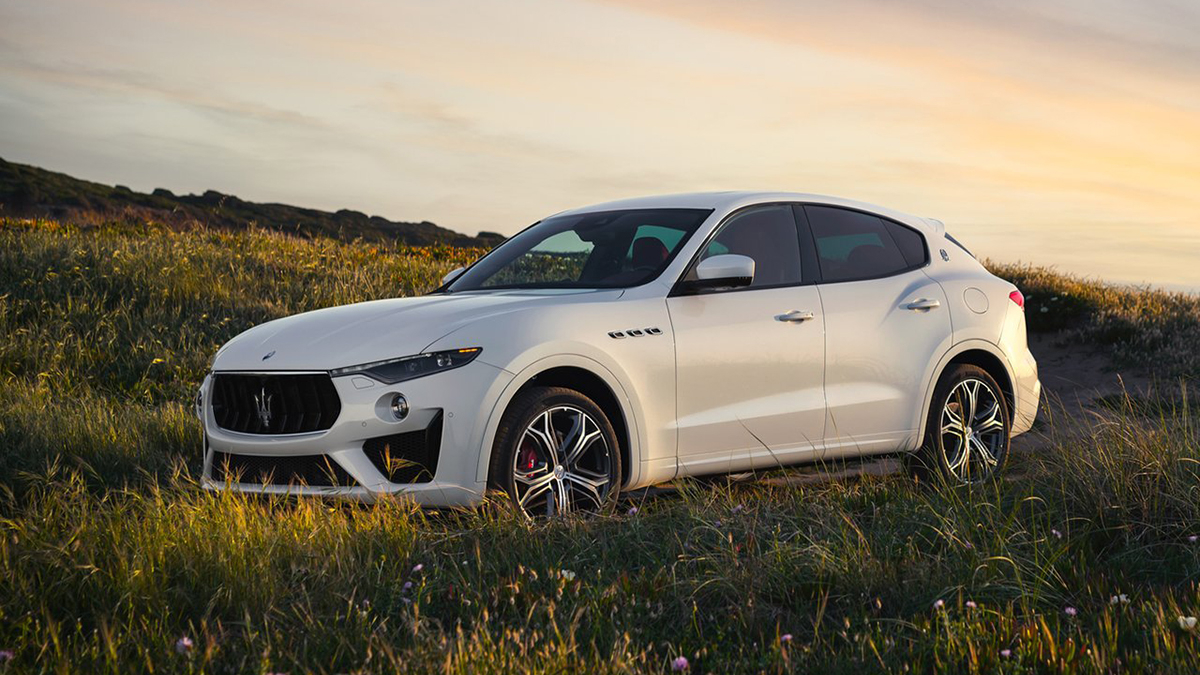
(959, 244)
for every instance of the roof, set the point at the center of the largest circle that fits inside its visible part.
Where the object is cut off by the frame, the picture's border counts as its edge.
(724, 202)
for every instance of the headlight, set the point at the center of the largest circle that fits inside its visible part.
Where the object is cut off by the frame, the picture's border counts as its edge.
(392, 371)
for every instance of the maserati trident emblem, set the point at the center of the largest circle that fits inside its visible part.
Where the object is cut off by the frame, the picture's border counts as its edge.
(262, 401)
(269, 355)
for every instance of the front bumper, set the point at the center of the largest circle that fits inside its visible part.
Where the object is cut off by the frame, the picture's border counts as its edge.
(460, 400)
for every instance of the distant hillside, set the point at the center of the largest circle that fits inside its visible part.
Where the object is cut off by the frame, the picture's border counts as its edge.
(31, 191)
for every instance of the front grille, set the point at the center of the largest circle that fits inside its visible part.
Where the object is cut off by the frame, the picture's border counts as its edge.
(410, 457)
(312, 470)
(274, 404)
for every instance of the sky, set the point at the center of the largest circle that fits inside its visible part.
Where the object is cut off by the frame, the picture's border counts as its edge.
(1054, 132)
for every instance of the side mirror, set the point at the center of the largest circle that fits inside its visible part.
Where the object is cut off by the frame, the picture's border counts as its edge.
(452, 275)
(722, 271)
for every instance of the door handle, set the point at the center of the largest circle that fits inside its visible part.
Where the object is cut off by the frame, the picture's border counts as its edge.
(923, 304)
(794, 316)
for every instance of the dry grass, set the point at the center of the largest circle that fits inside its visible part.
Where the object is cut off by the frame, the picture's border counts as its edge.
(1138, 327)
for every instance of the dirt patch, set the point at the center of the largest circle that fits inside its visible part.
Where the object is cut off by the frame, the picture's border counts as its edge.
(1075, 377)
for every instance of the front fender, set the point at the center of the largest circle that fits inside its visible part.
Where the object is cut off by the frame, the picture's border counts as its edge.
(640, 371)
(626, 397)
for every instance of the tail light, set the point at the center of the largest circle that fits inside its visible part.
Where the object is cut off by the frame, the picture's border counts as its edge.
(1016, 297)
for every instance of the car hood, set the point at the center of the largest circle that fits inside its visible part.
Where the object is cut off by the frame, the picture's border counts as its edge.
(372, 331)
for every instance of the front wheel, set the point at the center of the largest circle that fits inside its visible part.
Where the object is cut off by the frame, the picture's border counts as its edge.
(967, 431)
(556, 453)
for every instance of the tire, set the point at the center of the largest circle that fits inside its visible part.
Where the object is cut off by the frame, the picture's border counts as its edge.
(540, 469)
(985, 437)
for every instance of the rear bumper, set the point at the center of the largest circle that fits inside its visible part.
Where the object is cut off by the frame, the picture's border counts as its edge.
(1027, 389)
(460, 401)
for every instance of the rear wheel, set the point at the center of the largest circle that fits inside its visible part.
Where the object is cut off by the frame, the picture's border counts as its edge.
(556, 453)
(967, 431)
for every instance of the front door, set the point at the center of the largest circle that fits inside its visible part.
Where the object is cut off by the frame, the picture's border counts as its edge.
(750, 361)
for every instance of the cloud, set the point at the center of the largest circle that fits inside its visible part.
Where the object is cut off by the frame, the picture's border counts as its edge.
(449, 129)
(143, 84)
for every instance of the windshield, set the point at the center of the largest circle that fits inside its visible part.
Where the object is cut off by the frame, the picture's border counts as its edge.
(605, 249)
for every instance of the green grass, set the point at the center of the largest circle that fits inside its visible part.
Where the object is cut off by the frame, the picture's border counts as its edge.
(109, 553)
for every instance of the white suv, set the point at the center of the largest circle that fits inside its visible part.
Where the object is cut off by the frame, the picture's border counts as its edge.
(620, 345)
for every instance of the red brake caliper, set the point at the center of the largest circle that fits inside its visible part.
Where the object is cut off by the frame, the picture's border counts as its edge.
(527, 458)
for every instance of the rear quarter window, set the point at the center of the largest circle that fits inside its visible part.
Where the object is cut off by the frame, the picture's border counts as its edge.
(910, 243)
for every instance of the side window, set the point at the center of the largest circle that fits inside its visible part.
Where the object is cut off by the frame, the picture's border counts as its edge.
(768, 235)
(853, 245)
(912, 244)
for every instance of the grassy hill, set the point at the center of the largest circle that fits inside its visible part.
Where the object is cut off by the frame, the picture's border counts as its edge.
(28, 191)
(109, 554)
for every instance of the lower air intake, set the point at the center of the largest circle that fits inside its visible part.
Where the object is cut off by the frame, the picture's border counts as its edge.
(410, 457)
(311, 470)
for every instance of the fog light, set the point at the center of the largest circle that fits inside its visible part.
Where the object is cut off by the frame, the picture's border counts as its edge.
(399, 406)
(200, 404)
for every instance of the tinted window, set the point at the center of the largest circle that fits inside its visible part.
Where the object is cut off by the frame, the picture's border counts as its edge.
(853, 245)
(768, 235)
(608, 249)
(652, 243)
(911, 244)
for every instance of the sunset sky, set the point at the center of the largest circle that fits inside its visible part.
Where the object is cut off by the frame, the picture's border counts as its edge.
(1062, 132)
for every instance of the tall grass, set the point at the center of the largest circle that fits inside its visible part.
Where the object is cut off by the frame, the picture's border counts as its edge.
(1138, 327)
(109, 554)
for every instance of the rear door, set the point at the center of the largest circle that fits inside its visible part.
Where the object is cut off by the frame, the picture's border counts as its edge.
(885, 321)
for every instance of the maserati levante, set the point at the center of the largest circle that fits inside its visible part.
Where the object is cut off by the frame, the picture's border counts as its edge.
(616, 346)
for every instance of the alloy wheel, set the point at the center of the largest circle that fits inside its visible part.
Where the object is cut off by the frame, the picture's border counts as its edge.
(562, 464)
(972, 430)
